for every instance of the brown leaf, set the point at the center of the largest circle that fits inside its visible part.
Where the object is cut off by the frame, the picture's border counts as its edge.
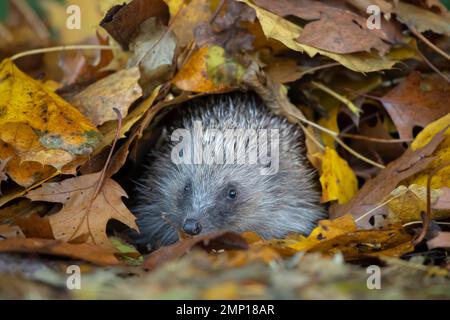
(122, 21)
(81, 215)
(417, 102)
(335, 29)
(88, 252)
(8, 232)
(78, 69)
(374, 190)
(211, 241)
(154, 51)
(118, 90)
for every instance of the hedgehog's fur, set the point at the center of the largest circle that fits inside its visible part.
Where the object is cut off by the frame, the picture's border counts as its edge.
(271, 205)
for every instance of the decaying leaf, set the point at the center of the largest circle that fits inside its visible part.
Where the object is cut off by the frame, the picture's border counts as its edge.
(217, 240)
(81, 215)
(209, 70)
(417, 102)
(38, 124)
(286, 32)
(122, 20)
(154, 50)
(374, 190)
(406, 204)
(8, 232)
(118, 90)
(421, 19)
(337, 178)
(85, 251)
(442, 154)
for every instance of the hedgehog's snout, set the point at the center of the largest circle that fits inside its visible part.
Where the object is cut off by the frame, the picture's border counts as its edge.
(192, 226)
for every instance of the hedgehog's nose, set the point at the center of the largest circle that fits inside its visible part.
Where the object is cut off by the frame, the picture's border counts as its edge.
(192, 227)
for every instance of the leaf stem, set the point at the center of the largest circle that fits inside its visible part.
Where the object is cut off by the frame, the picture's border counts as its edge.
(61, 48)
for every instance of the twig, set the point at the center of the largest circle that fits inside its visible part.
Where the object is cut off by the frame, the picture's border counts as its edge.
(102, 176)
(380, 140)
(429, 43)
(427, 218)
(216, 13)
(317, 68)
(428, 62)
(61, 48)
(381, 205)
(336, 95)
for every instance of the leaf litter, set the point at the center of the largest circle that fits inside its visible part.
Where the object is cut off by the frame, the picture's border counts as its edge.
(373, 108)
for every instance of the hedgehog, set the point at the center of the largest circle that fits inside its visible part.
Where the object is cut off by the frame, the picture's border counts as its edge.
(226, 163)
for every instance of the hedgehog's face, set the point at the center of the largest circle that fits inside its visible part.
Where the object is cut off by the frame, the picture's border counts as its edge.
(206, 202)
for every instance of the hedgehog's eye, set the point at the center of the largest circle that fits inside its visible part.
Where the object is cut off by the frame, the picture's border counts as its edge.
(187, 188)
(180, 153)
(232, 194)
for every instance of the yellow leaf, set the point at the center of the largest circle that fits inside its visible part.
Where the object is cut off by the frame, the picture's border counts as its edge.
(287, 32)
(326, 230)
(337, 178)
(82, 215)
(442, 154)
(329, 123)
(38, 124)
(209, 70)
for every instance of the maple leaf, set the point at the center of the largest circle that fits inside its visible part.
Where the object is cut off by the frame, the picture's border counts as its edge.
(81, 215)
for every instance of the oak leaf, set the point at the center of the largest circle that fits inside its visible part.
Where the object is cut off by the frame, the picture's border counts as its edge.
(81, 215)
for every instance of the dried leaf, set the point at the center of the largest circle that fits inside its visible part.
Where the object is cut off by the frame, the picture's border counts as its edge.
(123, 20)
(286, 32)
(38, 124)
(374, 190)
(337, 178)
(81, 215)
(209, 70)
(85, 251)
(421, 19)
(154, 51)
(417, 102)
(118, 90)
(9, 232)
(217, 240)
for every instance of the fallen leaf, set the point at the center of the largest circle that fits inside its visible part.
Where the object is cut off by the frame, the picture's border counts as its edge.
(421, 19)
(442, 154)
(209, 70)
(38, 124)
(337, 178)
(416, 102)
(216, 240)
(81, 215)
(406, 204)
(119, 90)
(334, 29)
(9, 232)
(123, 20)
(88, 252)
(286, 32)
(154, 51)
(374, 190)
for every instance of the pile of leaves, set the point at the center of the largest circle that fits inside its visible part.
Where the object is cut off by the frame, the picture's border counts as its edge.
(372, 103)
